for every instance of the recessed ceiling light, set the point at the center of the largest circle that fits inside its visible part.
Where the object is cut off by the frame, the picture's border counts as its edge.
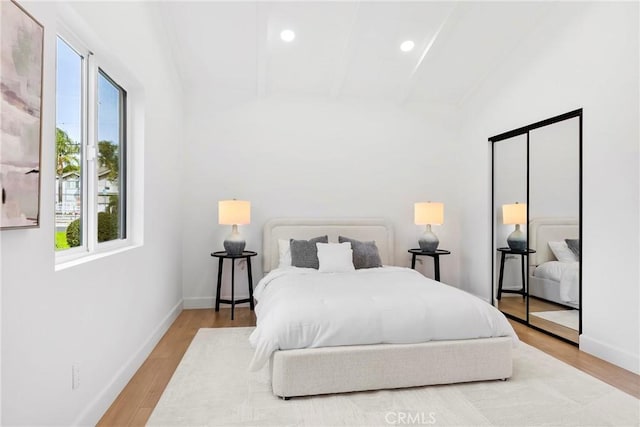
(287, 35)
(407, 46)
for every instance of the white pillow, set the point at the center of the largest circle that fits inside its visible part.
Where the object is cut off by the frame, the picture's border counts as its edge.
(284, 249)
(562, 252)
(335, 257)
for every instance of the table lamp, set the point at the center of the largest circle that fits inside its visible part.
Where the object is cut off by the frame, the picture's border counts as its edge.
(428, 213)
(234, 212)
(515, 214)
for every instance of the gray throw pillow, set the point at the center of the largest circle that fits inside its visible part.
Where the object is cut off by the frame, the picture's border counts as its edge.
(304, 253)
(574, 245)
(365, 254)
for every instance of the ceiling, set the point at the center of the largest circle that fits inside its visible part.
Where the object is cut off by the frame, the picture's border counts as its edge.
(345, 49)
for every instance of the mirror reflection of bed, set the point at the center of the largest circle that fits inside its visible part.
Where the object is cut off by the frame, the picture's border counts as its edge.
(553, 276)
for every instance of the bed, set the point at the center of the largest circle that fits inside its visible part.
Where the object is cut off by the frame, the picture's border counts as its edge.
(365, 365)
(550, 279)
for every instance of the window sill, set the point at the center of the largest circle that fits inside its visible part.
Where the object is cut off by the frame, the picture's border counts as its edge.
(84, 258)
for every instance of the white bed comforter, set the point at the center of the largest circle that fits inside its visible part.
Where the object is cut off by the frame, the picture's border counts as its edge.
(569, 283)
(302, 308)
(567, 274)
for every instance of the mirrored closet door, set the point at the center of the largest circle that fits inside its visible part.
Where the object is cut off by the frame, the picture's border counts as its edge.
(536, 211)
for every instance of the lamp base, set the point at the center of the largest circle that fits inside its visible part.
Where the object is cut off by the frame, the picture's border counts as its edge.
(233, 247)
(428, 241)
(234, 244)
(517, 241)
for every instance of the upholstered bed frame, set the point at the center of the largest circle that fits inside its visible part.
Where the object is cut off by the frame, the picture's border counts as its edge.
(541, 232)
(545, 230)
(327, 370)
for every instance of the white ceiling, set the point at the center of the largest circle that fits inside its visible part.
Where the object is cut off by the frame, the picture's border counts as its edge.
(345, 49)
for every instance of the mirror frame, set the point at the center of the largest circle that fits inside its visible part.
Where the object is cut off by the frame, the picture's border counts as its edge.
(525, 130)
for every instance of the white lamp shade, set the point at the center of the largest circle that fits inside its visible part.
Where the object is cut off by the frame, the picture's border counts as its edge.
(231, 212)
(514, 214)
(429, 213)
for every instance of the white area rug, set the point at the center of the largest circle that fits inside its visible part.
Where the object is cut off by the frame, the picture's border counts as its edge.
(212, 387)
(568, 318)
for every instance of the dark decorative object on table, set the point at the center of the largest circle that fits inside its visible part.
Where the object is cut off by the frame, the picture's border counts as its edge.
(428, 241)
(234, 247)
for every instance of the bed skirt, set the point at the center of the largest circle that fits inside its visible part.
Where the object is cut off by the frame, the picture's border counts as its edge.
(327, 370)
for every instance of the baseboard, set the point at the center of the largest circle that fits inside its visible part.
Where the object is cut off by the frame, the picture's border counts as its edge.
(96, 409)
(198, 302)
(626, 360)
(208, 302)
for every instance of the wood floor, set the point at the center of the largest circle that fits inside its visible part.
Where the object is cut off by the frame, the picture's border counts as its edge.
(135, 403)
(517, 306)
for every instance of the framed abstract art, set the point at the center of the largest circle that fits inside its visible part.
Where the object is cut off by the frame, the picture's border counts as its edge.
(21, 50)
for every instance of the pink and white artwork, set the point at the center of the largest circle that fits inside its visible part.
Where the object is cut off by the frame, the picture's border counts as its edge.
(21, 41)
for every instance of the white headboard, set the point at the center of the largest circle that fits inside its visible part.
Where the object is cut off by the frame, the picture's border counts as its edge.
(377, 229)
(544, 230)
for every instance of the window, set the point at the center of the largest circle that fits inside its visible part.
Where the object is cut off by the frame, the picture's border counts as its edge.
(91, 154)
(111, 144)
(69, 210)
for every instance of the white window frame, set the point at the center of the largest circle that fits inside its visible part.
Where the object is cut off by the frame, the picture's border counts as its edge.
(84, 53)
(133, 132)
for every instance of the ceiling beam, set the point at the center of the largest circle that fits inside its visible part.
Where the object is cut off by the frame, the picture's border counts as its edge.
(342, 67)
(552, 9)
(262, 48)
(411, 82)
(162, 15)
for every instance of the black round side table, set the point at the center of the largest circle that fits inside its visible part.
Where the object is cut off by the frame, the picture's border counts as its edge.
(436, 259)
(222, 255)
(523, 254)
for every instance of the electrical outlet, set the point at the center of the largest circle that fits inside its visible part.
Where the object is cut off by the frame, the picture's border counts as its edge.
(75, 376)
(242, 264)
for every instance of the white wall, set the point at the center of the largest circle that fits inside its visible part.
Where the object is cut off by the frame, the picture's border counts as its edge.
(311, 158)
(104, 315)
(589, 59)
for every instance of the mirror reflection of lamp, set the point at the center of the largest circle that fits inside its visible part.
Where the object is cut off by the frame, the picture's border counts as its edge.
(234, 213)
(429, 213)
(515, 214)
